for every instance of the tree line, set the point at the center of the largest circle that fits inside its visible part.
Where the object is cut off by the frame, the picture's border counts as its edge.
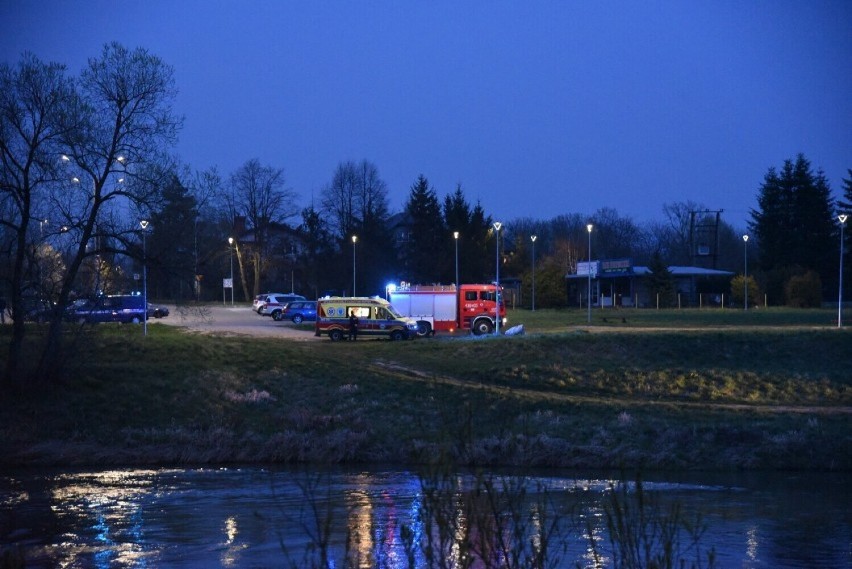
(83, 160)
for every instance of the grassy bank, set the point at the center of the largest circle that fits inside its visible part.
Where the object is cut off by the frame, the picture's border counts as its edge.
(652, 389)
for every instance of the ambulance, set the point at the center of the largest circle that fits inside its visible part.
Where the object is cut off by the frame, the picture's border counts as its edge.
(376, 318)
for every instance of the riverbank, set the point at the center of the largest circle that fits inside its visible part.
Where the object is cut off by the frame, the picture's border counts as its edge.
(685, 398)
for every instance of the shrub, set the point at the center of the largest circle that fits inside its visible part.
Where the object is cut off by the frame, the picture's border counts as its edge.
(738, 290)
(803, 291)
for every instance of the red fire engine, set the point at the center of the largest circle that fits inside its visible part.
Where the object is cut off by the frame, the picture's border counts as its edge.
(447, 308)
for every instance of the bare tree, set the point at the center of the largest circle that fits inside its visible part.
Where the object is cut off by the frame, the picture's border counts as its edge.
(355, 203)
(339, 201)
(259, 195)
(113, 141)
(35, 98)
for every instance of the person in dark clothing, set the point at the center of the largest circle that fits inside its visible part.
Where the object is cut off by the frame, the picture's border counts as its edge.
(2, 309)
(353, 326)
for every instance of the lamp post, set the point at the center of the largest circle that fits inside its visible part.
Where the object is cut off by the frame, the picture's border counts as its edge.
(354, 239)
(842, 219)
(533, 238)
(745, 272)
(144, 224)
(456, 237)
(231, 255)
(589, 228)
(497, 226)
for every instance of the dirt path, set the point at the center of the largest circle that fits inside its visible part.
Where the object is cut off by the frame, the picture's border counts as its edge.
(400, 371)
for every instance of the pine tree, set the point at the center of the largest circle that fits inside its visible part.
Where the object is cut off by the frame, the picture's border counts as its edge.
(793, 224)
(424, 255)
(844, 204)
(661, 282)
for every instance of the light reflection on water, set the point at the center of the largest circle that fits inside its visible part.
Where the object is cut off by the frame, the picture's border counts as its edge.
(258, 517)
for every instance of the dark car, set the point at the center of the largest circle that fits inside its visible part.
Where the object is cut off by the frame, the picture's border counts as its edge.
(157, 310)
(275, 303)
(298, 311)
(117, 308)
(36, 309)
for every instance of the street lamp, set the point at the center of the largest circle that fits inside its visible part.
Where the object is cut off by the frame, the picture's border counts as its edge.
(497, 226)
(231, 255)
(354, 239)
(745, 272)
(533, 238)
(144, 224)
(842, 218)
(589, 228)
(456, 237)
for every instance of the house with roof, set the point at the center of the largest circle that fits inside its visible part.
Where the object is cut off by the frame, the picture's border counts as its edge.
(617, 282)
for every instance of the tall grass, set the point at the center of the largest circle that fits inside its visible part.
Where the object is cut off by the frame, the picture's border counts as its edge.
(671, 398)
(491, 521)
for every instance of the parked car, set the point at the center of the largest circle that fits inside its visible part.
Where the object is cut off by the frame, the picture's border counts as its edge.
(36, 309)
(260, 299)
(298, 311)
(116, 308)
(157, 310)
(275, 303)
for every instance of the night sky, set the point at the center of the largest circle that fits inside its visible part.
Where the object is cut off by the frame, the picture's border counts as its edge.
(536, 108)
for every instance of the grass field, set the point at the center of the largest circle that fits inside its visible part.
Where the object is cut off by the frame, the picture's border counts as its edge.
(674, 389)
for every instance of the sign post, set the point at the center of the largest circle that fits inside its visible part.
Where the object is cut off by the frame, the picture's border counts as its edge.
(227, 284)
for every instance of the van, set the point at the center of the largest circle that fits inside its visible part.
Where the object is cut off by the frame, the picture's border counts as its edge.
(376, 318)
(114, 308)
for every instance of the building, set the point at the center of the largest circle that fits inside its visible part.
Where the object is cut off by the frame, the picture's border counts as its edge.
(617, 282)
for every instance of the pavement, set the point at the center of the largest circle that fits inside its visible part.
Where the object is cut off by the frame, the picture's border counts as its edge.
(238, 320)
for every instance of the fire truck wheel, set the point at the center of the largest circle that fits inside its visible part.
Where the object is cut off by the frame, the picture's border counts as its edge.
(335, 335)
(482, 326)
(423, 328)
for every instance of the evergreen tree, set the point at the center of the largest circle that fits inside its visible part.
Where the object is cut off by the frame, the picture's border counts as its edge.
(424, 256)
(844, 204)
(661, 282)
(793, 224)
(476, 245)
(318, 246)
(479, 258)
(457, 219)
(171, 247)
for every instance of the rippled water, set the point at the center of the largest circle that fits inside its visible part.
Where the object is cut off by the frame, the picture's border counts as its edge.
(256, 517)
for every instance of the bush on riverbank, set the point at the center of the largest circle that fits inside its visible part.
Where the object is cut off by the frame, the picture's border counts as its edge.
(682, 399)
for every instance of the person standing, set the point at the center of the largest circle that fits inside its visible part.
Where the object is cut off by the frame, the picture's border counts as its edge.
(2, 309)
(353, 325)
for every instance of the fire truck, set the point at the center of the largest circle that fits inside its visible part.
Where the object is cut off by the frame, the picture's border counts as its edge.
(449, 308)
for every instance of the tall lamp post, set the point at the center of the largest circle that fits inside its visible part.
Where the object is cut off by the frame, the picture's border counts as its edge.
(231, 255)
(842, 219)
(497, 226)
(456, 237)
(533, 238)
(745, 272)
(144, 224)
(354, 239)
(589, 228)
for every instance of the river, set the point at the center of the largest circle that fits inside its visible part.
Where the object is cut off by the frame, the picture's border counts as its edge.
(270, 517)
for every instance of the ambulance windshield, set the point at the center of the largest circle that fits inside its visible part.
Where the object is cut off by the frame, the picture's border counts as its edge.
(393, 311)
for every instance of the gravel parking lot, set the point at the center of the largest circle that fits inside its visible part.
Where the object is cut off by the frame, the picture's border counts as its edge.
(218, 319)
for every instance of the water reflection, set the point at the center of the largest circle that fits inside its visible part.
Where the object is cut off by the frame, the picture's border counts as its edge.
(258, 517)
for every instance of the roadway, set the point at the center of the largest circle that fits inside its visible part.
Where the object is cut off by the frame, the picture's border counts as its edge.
(239, 319)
